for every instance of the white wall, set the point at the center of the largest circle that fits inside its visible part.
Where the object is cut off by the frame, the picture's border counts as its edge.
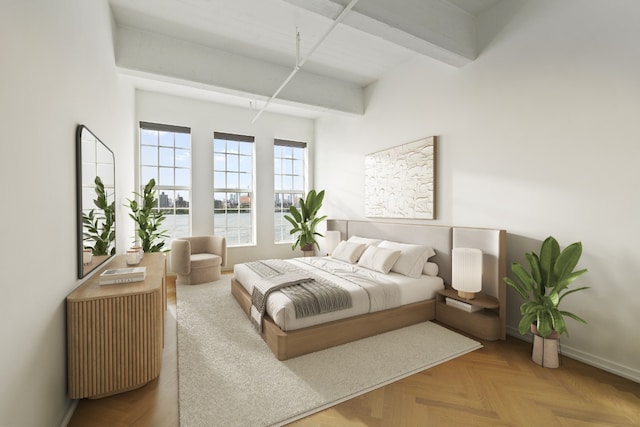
(57, 71)
(204, 118)
(538, 136)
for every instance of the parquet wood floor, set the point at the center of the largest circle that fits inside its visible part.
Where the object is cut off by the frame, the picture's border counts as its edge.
(497, 385)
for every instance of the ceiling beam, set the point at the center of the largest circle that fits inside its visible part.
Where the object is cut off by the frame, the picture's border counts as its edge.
(160, 57)
(434, 28)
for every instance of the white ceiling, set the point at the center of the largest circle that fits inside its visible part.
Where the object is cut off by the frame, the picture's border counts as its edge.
(237, 51)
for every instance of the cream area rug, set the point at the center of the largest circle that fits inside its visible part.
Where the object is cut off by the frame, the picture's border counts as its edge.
(229, 377)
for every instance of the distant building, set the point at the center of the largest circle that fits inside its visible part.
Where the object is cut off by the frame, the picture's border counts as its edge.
(245, 202)
(181, 202)
(164, 201)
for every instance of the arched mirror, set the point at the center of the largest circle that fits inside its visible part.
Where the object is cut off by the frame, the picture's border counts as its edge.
(96, 214)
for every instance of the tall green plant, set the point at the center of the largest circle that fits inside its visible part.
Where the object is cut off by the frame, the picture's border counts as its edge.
(99, 225)
(148, 219)
(305, 220)
(545, 285)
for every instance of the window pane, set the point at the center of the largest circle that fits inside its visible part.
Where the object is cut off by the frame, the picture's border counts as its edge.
(183, 158)
(233, 162)
(219, 162)
(148, 137)
(148, 173)
(182, 201)
(245, 181)
(148, 155)
(219, 180)
(298, 168)
(245, 164)
(287, 166)
(287, 152)
(219, 145)
(246, 149)
(166, 156)
(165, 199)
(166, 139)
(232, 147)
(166, 176)
(183, 140)
(183, 177)
(233, 180)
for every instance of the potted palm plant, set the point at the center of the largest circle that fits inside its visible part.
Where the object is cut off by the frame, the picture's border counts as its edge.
(542, 288)
(305, 220)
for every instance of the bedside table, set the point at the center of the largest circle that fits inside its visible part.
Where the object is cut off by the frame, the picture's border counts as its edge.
(484, 324)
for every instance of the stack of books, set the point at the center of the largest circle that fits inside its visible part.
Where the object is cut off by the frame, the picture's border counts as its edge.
(123, 275)
(462, 305)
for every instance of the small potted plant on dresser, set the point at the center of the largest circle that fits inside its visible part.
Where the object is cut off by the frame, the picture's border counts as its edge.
(542, 289)
(305, 220)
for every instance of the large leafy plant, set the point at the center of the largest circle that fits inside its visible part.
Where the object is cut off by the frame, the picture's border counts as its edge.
(545, 285)
(148, 219)
(305, 220)
(99, 224)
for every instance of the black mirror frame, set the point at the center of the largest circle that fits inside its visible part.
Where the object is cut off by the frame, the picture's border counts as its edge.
(82, 269)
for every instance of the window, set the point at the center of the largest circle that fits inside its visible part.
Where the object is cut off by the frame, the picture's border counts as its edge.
(233, 188)
(289, 183)
(165, 155)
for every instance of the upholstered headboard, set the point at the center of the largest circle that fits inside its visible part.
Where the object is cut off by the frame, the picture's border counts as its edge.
(442, 239)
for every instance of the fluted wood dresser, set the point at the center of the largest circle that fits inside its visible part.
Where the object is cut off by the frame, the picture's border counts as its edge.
(115, 333)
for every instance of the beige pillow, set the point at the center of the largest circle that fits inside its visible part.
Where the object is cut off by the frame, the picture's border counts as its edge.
(430, 269)
(412, 257)
(366, 240)
(348, 251)
(378, 259)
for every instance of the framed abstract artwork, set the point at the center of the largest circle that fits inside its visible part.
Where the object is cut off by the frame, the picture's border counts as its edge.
(400, 181)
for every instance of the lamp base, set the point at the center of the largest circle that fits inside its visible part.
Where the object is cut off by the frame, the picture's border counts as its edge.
(466, 295)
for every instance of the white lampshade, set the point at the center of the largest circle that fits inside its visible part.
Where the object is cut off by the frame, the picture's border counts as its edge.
(467, 272)
(332, 238)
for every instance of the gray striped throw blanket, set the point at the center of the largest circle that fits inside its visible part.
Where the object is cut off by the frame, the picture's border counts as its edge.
(310, 294)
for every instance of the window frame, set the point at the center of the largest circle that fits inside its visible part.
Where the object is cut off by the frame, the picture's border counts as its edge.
(163, 191)
(281, 227)
(235, 234)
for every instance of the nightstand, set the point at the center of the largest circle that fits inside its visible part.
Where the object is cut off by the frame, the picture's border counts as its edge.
(484, 324)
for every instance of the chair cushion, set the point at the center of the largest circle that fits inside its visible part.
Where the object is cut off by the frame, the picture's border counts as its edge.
(205, 260)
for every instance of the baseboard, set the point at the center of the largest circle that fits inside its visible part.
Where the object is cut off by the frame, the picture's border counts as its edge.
(589, 359)
(70, 410)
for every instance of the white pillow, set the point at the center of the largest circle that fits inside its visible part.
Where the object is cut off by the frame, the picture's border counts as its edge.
(348, 251)
(366, 240)
(378, 259)
(412, 257)
(430, 269)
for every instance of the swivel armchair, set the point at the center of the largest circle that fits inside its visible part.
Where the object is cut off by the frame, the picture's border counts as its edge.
(198, 259)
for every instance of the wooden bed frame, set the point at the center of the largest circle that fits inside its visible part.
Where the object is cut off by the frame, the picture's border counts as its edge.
(286, 345)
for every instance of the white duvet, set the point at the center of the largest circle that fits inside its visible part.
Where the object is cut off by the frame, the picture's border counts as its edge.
(280, 308)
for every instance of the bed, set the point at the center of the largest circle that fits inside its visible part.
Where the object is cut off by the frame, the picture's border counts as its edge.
(412, 300)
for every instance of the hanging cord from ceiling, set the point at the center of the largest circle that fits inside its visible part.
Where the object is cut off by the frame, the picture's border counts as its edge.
(300, 62)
